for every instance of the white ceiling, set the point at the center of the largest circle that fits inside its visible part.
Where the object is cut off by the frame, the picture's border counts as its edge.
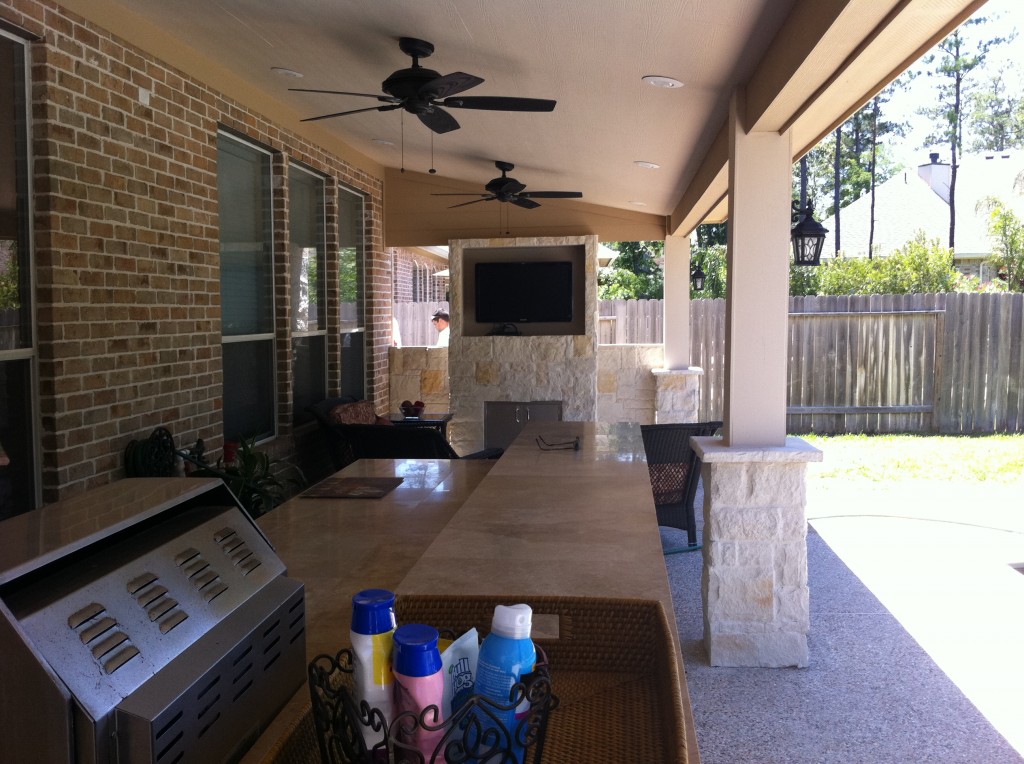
(589, 55)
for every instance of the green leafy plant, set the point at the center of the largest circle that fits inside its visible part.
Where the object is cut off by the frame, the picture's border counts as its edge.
(258, 481)
(919, 267)
(1006, 231)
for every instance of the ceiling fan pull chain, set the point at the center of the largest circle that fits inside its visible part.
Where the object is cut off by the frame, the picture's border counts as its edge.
(402, 128)
(432, 170)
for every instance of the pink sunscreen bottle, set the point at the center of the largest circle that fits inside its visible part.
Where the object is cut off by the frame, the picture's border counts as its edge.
(419, 685)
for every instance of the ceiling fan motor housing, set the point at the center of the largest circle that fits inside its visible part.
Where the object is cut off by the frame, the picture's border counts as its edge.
(406, 84)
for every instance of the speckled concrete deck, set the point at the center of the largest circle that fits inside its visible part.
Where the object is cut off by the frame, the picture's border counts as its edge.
(916, 635)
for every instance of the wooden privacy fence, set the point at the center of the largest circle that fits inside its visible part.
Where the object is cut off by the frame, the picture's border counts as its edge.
(928, 363)
(414, 322)
(630, 322)
(942, 363)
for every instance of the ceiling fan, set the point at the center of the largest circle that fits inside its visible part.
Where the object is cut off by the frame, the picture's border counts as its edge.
(423, 92)
(506, 189)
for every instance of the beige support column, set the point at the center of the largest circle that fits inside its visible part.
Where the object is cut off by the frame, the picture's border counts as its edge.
(677, 302)
(677, 396)
(757, 297)
(754, 580)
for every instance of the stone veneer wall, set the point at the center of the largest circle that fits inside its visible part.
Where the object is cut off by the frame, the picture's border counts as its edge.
(626, 389)
(542, 368)
(419, 373)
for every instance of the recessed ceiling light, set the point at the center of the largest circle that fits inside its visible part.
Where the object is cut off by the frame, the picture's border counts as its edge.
(647, 165)
(285, 72)
(659, 81)
(638, 204)
(383, 142)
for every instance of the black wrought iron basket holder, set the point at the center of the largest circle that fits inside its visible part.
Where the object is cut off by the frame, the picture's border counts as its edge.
(474, 733)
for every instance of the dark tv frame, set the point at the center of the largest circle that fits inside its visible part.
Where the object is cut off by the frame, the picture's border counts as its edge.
(523, 291)
(464, 316)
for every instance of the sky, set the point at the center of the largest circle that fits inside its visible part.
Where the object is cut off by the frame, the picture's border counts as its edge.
(1004, 16)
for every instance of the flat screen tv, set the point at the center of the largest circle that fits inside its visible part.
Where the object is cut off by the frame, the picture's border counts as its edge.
(523, 292)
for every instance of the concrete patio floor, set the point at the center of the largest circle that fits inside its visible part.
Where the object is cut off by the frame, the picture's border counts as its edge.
(916, 642)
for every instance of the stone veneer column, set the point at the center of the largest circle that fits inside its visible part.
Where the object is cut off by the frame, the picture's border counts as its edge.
(677, 397)
(754, 581)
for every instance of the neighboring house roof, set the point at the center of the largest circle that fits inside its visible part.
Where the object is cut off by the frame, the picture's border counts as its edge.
(919, 201)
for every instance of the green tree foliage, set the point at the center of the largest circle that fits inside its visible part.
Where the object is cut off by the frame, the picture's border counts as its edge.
(348, 275)
(710, 234)
(1007, 233)
(10, 280)
(862, 147)
(996, 120)
(919, 267)
(710, 259)
(636, 274)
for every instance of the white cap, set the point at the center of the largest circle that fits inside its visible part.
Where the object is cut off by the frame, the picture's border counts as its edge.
(512, 621)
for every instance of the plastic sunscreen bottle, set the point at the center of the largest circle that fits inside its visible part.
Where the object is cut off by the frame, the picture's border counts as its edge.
(507, 653)
(419, 685)
(373, 624)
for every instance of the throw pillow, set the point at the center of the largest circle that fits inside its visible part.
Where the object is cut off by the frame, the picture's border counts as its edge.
(360, 412)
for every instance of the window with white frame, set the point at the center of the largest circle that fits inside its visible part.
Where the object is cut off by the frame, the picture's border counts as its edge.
(247, 288)
(19, 481)
(307, 234)
(351, 255)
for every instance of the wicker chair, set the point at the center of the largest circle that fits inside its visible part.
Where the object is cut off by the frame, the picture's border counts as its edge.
(674, 470)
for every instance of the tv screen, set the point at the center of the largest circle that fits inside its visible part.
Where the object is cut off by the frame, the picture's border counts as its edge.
(518, 292)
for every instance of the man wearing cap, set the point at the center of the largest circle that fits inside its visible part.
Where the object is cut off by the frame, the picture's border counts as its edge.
(440, 321)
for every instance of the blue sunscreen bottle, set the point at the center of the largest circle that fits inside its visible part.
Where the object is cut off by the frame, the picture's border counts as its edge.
(506, 655)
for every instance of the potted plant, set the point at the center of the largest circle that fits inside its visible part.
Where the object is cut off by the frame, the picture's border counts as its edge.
(258, 481)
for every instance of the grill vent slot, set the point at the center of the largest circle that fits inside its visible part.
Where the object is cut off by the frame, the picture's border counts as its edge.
(216, 710)
(110, 647)
(153, 597)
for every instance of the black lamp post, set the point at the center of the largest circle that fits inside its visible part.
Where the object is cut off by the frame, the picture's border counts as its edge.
(808, 236)
(697, 278)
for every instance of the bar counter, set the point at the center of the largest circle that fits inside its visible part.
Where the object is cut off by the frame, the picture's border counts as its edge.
(535, 522)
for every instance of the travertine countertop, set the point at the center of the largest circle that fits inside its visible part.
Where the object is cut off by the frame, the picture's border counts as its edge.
(569, 522)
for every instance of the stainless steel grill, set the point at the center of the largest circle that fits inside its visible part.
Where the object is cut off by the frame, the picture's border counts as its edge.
(145, 621)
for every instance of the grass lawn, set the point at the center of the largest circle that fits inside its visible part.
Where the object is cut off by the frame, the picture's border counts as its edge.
(998, 458)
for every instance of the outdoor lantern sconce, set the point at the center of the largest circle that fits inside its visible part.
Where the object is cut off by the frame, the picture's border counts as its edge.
(697, 278)
(808, 236)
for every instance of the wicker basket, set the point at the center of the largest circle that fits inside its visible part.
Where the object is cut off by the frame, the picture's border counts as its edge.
(613, 667)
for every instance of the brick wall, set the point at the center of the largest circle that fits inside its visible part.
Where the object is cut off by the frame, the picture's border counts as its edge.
(405, 261)
(126, 247)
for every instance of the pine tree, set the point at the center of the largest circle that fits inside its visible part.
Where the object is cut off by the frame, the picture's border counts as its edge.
(956, 60)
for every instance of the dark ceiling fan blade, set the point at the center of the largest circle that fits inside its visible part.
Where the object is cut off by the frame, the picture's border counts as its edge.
(453, 193)
(526, 204)
(383, 98)
(485, 199)
(499, 103)
(449, 84)
(439, 121)
(552, 194)
(389, 107)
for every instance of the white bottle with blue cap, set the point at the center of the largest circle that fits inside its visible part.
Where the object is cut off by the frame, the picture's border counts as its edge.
(373, 624)
(506, 655)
